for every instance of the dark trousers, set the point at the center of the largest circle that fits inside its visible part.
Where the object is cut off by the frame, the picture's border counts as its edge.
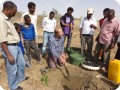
(31, 44)
(87, 39)
(69, 38)
(105, 53)
(117, 56)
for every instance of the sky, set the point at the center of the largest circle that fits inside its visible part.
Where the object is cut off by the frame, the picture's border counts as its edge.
(80, 6)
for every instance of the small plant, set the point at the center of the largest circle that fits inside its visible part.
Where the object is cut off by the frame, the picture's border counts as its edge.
(44, 79)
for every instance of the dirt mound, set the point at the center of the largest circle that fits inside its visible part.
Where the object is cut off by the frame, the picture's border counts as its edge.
(80, 79)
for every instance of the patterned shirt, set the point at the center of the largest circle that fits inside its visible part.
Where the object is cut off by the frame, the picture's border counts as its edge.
(56, 46)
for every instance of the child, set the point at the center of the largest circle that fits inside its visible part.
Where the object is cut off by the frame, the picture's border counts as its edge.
(17, 27)
(29, 37)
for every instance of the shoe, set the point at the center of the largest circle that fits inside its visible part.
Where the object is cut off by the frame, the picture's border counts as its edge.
(26, 78)
(44, 55)
(19, 88)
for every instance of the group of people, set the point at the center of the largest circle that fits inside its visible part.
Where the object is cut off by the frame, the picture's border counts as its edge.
(106, 39)
(17, 40)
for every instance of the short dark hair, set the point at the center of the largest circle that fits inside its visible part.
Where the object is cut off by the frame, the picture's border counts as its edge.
(16, 25)
(30, 4)
(9, 5)
(106, 9)
(26, 17)
(70, 9)
(52, 12)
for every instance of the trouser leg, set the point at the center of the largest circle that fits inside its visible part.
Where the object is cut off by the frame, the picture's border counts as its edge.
(27, 47)
(83, 43)
(36, 50)
(89, 47)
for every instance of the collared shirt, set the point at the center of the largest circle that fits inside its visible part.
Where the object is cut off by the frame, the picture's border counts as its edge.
(8, 32)
(33, 20)
(28, 32)
(56, 46)
(67, 29)
(85, 25)
(109, 30)
(48, 24)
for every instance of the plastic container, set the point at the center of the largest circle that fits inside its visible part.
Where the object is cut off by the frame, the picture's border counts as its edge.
(114, 70)
(76, 59)
(73, 50)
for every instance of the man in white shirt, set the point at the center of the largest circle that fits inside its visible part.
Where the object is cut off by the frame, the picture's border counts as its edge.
(48, 24)
(33, 16)
(87, 26)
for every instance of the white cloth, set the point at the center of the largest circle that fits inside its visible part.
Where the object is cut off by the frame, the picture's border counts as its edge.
(1, 88)
(85, 25)
(48, 24)
(33, 20)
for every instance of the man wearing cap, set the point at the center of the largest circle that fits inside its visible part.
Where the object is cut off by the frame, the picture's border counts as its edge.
(87, 26)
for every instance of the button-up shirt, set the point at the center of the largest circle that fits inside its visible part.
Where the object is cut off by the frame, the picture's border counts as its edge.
(48, 24)
(85, 25)
(56, 46)
(109, 30)
(8, 32)
(33, 20)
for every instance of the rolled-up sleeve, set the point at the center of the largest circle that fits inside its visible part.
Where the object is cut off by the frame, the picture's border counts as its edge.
(3, 31)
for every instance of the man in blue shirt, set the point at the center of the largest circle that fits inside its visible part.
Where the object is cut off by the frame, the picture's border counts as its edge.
(29, 37)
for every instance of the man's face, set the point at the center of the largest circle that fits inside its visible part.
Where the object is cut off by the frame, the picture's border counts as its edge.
(12, 12)
(110, 14)
(28, 21)
(32, 9)
(69, 13)
(89, 16)
(105, 14)
(51, 16)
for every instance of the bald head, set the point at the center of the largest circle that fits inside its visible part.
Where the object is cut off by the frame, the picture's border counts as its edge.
(58, 32)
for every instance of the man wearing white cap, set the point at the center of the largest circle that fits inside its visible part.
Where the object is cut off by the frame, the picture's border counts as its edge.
(87, 26)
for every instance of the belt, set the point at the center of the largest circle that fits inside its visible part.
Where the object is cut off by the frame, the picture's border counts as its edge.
(48, 32)
(87, 35)
(12, 44)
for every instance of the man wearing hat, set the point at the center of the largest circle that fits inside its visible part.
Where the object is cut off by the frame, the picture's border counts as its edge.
(87, 26)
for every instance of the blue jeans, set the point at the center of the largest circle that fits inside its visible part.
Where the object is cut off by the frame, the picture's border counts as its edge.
(46, 36)
(15, 72)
